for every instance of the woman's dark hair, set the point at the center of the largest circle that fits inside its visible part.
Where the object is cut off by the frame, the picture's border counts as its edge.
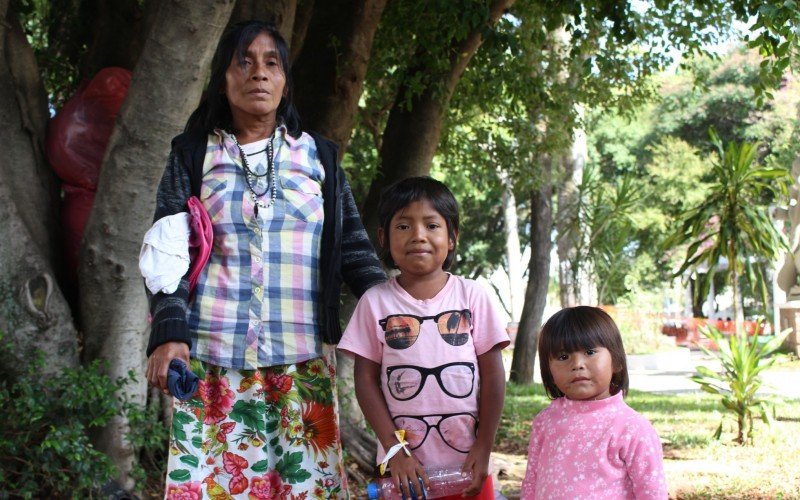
(401, 194)
(577, 328)
(214, 110)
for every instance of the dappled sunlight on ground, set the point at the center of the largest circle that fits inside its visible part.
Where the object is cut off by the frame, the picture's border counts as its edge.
(769, 469)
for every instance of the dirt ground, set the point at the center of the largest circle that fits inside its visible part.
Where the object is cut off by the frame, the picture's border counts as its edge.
(508, 473)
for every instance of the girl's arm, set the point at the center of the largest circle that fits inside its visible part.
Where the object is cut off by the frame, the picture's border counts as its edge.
(490, 407)
(644, 461)
(528, 489)
(405, 469)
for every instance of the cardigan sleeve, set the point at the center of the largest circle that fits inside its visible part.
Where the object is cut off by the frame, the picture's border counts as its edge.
(361, 268)
(168, 311)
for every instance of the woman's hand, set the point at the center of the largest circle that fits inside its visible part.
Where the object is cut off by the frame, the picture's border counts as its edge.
(158, 363)
(477, 462)
(408, 473)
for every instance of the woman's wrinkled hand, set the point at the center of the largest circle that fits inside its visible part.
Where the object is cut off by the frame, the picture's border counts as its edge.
(158, 363)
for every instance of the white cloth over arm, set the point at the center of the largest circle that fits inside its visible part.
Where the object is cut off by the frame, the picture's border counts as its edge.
(164, 258)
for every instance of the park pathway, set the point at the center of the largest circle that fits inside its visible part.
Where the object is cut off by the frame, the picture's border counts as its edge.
(671, 376)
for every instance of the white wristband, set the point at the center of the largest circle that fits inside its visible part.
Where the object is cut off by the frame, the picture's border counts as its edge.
(401, 445)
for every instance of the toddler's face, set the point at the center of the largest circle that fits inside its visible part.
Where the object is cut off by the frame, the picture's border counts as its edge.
(583, 375)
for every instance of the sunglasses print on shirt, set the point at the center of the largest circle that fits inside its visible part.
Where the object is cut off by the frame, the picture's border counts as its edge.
(402, 330)
(457, 430)
(455, 379)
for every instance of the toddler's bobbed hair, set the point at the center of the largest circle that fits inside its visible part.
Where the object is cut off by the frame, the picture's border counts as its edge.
(575, 329)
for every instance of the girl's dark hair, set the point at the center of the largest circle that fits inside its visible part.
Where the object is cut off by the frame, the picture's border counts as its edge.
(214, 110)
(401, 194)
(576, 328)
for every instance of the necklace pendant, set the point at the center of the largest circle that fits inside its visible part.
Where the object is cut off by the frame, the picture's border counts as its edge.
(255, 209)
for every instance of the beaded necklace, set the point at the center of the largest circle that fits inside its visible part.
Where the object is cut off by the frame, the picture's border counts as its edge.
(252, 178)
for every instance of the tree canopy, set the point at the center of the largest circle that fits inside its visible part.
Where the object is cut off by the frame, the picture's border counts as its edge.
(485, 94)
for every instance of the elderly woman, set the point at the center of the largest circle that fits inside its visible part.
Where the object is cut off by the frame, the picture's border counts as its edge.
(286, 232)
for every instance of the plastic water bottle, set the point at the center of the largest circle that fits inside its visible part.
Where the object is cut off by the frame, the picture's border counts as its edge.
(444, 480)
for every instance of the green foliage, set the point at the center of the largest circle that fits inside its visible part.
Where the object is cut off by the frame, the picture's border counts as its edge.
(675, 176)
(58, 35)
(150, 437)
(45, 450)
(743, 358)
(481, 245)
(522, 403)
(774, 34)
(718, 93)
(733, 222)
(601, 229)
(663, 144)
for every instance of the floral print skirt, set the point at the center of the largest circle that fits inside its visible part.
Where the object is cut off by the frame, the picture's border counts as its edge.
(270, 433)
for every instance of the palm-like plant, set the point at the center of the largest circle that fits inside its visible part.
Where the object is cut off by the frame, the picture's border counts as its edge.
(601, 226)
(733, 222)
(743, 359)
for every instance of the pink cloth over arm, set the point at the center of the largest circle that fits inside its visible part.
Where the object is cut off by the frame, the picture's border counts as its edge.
(200, 240)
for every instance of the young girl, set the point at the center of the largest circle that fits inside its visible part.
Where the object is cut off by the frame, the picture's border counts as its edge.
(427, 346)
(588, 443)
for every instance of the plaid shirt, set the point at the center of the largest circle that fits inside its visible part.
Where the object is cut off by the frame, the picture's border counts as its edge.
(256, 301)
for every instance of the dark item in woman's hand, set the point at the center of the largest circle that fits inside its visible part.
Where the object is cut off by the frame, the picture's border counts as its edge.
(181, 380)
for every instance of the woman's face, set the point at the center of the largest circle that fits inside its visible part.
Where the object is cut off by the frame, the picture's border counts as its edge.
(254, 89)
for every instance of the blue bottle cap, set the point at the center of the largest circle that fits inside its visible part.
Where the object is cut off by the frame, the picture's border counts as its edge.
(373, 491)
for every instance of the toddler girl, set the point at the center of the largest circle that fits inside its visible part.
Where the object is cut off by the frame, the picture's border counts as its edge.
(588, 443)
(427, 346)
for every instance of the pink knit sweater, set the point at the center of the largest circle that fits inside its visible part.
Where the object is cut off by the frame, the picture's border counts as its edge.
(593, 449)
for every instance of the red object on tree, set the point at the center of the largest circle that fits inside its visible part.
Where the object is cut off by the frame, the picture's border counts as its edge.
(78, 135)
(76, 142)
(75, 211)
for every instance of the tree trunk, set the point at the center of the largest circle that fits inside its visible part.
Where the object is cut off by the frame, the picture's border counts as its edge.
(576, 286)
(523, 363)
(412, 134)
(126, 24)
(329, 77)
(513, 255)
(565, 240)
(165, 87)
(278, 12)
(302, 18)
(33, 187)
(35, 316)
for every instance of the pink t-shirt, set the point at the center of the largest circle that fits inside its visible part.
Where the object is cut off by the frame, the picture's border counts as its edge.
(591, 450)
(428, 351)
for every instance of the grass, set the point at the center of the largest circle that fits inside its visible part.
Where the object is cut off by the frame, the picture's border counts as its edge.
(696, 465)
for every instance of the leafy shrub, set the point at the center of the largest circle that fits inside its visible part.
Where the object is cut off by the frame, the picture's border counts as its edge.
(45, 450)
(150, 437)
(743, 358)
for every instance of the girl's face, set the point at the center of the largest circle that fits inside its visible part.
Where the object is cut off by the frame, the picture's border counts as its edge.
(418, 239)
(583, 375)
